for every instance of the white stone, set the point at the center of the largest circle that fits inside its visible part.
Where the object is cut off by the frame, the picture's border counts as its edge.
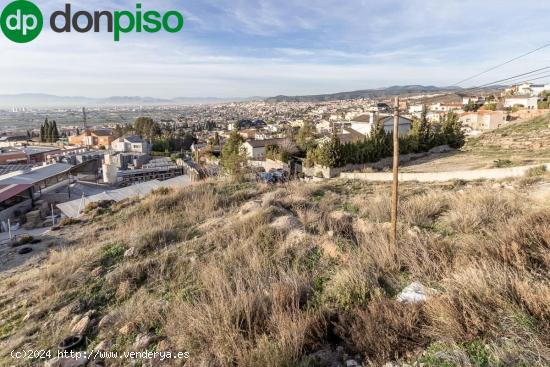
(415, 292)
(144, 340)
(130, 252)
(66, 362)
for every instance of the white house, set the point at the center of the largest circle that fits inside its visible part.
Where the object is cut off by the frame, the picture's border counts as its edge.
(416, 109)
(405, 124)
(364, 124)
(530, 89)
(256, 149)
(537, 89)
(131, 144)
(526, 102)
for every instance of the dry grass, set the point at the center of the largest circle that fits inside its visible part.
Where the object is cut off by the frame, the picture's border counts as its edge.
(210, 270)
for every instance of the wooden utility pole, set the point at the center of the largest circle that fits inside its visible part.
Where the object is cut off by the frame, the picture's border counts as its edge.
(395, 184)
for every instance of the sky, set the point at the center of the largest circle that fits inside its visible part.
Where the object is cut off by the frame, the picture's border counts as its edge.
(243, 48)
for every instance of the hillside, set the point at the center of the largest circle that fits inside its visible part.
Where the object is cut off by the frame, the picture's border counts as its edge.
(524, 136)
(452, 94)
(297, 275)
(518, 143)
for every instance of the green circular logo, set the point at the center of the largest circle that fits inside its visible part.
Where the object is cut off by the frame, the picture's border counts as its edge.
(21, 21)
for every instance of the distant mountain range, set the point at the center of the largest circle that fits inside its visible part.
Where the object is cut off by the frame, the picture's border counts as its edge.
(48, 100)
(376, 93)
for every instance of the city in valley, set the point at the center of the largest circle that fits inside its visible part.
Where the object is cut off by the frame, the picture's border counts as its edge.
(111, 207)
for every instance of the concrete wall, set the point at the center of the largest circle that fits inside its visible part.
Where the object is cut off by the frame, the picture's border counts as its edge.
(381, 164)
(487, 174)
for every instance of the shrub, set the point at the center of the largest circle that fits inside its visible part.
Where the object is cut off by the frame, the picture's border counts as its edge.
(536, 171)
(502, 163)
(68, 221)
(112, 254)
(384, 330)
(157, 239)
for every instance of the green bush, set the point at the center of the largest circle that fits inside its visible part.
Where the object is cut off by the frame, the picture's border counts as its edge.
(379, 144)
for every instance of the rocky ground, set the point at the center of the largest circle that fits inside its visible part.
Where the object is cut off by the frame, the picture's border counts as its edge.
(295, 275)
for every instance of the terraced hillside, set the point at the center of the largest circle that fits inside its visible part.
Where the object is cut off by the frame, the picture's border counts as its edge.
(297, 275)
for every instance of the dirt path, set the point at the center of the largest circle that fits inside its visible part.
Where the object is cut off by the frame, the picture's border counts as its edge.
(467, 175)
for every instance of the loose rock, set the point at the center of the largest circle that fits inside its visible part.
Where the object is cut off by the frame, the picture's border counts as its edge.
(130, 252)
(81, 326)
(415, 292)
(143, 341)
(66, 362)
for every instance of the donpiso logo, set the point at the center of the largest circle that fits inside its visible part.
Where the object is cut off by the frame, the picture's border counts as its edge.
(21, 21)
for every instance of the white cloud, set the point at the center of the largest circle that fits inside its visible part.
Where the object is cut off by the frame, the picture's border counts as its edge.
(243, 48)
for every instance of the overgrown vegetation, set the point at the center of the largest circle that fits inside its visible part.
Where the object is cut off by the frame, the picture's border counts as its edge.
(254, 275)
(424, 135)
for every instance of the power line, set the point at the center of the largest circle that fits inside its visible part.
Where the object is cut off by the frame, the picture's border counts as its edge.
(504, 63)
(514, 77)
(531, 73)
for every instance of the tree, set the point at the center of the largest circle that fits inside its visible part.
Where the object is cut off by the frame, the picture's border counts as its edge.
(119, 131)
(42, 133)
(46, 133)
(54, 135)
(305, 137)
(452, 131)
(329, 154)
(471, 107)
(232, 158)
(146, 128)
(490, 107)
(421, 130)
(215, 141)
(188, 140)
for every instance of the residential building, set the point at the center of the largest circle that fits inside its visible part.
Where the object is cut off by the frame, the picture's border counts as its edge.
(39, 154)
(131, 144)
(364, 124)
(483, 120)
(11, 141)
(98, 138)
(446, 107)
(256, 149)
(530, 89)
(346, 136)
(524, 101)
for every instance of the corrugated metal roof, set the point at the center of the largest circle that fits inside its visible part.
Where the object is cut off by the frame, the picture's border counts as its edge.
(71, 208)
(34, 175)
(9, 191)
